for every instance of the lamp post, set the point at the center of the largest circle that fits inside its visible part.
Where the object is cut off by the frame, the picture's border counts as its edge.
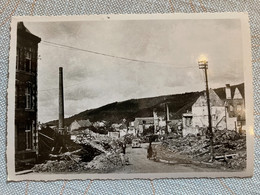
(203, 64)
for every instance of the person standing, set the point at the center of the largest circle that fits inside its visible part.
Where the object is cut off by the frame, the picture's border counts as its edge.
(123, 147)
(150, 151)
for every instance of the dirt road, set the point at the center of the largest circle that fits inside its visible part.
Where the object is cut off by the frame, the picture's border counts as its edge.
(140, 164)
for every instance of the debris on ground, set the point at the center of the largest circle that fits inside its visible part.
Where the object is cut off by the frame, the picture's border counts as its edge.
(105, 162)
(66, 162)
(229, 147)
(96, 155)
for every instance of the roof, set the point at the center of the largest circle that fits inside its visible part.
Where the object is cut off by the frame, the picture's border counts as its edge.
(84, 123)
(148, 120)
(221, 92)
(214, 100)
(24, 32)
(21, 27)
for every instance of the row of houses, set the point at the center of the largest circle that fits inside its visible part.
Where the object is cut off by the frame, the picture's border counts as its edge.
(227, 111)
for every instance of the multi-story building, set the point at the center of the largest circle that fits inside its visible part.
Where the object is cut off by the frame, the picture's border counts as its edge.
(227, 110)
(26, 135)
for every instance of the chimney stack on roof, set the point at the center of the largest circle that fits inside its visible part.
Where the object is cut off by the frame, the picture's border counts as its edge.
(228, 92)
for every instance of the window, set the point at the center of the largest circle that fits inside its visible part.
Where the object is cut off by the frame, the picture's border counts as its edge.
(28, 137)
(28, 96)
(34, 62)
(188, 122)
(28, 60)
(231, 108)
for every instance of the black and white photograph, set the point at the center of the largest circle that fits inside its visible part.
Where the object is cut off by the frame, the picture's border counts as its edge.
(130, 96)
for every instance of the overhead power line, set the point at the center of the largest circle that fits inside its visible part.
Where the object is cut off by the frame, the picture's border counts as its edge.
(58, 45)
(109, 55)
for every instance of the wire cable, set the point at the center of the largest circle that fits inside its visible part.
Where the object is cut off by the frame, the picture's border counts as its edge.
(109, 55)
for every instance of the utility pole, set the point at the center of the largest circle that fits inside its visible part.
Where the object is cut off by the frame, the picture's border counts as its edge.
(166, 118)
(203, 64)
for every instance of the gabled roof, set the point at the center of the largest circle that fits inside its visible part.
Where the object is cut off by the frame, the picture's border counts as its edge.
(84, 123)
(214, 100)
(237, 94)
(221, 92)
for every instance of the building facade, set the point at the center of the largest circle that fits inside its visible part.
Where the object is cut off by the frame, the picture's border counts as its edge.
(26, 134)
(227, 111)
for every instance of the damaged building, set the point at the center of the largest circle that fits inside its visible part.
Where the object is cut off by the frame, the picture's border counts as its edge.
(227, 110)
(158, 123)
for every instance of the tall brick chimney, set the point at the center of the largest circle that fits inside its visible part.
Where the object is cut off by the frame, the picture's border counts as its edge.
(61, 101)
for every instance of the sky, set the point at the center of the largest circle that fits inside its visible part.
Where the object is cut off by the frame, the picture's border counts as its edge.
(150, 58)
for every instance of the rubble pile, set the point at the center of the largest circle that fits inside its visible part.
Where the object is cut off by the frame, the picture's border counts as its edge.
(66, 162)
(238, 162)
(105, 162)
(99, 144)
(58, 166)
(99, 155)
(229, 142)
(229, 148)
(189, 145)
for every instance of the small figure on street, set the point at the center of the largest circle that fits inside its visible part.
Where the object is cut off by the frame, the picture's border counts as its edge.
(123, 147)
(150, 151)
(124, 158)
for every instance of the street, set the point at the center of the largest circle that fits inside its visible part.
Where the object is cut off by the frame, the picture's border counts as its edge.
(140, 164)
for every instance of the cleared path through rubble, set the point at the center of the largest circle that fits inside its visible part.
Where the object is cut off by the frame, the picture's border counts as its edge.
(140, 164)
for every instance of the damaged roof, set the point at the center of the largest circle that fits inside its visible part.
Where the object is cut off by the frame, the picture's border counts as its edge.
(221, 92)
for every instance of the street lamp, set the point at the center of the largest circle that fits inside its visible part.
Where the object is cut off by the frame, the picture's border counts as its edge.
(203, 64)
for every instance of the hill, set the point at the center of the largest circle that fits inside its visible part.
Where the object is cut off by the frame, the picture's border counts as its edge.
(130, 109)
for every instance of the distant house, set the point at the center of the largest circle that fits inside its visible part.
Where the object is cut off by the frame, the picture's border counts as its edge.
(123, 129)
(116, 126)
(227, 110)
(157, 122)
(77, 124)
(235, 104)
(143, 123)
(131, 128)
(98, 124)
(200, 110)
